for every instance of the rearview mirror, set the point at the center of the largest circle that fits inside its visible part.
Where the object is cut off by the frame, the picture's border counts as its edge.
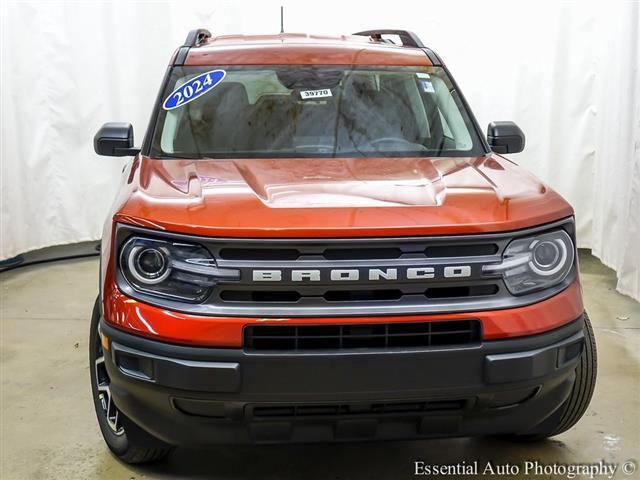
(505, 137)
(115, 139)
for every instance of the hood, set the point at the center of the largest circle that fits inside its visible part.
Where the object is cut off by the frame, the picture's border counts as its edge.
(316, 197)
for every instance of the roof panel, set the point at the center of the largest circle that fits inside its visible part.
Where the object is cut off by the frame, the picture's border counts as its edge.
(302, 49)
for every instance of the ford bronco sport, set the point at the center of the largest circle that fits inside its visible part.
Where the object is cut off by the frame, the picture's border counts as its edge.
(316, 243)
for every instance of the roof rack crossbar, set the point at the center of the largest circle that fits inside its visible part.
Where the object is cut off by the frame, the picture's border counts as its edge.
(408, 39)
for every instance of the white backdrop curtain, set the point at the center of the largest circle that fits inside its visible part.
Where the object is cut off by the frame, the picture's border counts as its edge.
(566, 72)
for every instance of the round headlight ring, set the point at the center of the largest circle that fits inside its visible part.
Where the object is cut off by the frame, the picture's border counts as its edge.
(546, 254)
(153, 254)
(553, 267)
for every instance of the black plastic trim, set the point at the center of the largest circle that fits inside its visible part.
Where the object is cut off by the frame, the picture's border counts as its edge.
(209, 376)
(181, 56)
(500, 386)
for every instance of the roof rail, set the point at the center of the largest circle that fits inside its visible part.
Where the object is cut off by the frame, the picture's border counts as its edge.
(408, 39)
(194, 38)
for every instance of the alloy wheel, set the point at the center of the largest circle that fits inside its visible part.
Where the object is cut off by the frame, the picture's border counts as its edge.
(103, 382)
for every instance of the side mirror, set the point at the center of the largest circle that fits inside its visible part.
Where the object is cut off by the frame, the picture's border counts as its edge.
(115, 139)
(505, 137)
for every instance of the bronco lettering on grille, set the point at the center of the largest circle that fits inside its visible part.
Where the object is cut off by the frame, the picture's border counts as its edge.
(355, 274)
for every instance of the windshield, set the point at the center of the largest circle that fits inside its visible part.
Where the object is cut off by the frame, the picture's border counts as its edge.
(309, 111)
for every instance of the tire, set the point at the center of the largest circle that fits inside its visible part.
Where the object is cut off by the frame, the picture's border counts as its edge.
(581, 393)
(137, 447)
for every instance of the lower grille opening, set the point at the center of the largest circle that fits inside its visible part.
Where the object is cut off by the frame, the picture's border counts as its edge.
(354, 409)
(268, 411)
(376, 336)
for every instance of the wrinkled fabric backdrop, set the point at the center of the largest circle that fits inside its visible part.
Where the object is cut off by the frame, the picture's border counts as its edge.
(566, 72)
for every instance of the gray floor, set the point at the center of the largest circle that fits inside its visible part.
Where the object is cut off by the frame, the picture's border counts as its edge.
(48, 429)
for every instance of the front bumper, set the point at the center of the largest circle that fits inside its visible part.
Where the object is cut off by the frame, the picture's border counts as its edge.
(195, 395)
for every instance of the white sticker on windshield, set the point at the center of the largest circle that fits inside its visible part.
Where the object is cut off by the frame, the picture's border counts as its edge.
(423, 75)
(427, 86)
(307, 94)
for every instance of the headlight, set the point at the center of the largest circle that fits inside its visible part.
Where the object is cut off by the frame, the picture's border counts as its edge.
(177, 270)
(536, 262)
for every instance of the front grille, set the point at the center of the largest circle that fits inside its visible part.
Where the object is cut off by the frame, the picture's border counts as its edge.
(379, 336)
(354, 409)
(382, 285)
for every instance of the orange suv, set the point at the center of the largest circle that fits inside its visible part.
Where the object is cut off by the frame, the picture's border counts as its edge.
(315, 243)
